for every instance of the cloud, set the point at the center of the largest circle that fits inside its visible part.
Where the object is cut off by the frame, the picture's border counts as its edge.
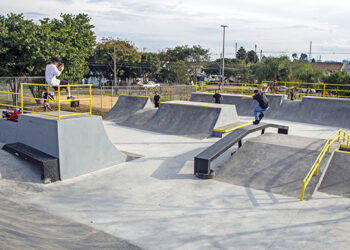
(155, 25)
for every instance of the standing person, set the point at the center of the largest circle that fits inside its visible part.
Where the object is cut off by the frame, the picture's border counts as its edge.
(217, 97)
(156, 99)
(52, 71)
(292, 89)
(263, 104)
(274, 86)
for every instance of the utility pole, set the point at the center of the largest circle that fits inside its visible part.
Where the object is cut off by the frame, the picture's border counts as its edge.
(235, 50)
(114, 67)
(223, 56)
(260, 55)
(310, 51)
(220, 67)
(255, 48)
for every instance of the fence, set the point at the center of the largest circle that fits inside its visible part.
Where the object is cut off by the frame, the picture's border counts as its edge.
(300, 88)
(102, 98)
(58, 100)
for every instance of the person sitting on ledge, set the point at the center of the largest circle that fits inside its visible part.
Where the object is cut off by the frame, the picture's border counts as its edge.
(51, 72)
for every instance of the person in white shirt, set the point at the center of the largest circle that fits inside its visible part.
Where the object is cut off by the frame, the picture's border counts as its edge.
(51, 72)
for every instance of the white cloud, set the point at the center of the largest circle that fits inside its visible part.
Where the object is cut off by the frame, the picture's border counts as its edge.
(273, 25)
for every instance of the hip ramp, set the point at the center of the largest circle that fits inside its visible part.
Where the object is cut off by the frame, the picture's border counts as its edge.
(275, 163)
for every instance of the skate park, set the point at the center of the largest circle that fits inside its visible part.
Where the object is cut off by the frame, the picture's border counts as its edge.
(156, 200)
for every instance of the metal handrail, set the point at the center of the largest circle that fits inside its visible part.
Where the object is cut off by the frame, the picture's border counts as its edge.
(59, 116)
(326, 148)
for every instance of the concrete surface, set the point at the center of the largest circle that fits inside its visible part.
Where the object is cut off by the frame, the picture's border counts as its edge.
(126, 106)
(155, 202)
(192, 119)
(23, 227)
(321, 111)
(80, 143)
(275, 163)
(337, 178)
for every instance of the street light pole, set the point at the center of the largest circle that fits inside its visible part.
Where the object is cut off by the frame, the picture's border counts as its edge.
(223, 56)
(114, 67)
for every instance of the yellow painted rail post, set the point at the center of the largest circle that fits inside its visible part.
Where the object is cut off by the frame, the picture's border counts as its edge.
(59, 102)
(242, 89)
(324, 90)
(21, 98)
(90, 101)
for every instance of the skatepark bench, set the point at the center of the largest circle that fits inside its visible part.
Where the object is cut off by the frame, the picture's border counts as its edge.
(47, 163)
(202, 161)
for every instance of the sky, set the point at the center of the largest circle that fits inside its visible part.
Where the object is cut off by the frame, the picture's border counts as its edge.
(277, 27)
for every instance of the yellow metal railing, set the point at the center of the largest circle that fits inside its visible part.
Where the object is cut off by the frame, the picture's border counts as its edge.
(59, 115)
(340, 134)
(9, 105)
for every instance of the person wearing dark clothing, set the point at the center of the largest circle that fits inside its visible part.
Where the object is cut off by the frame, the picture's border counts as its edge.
(263, 104)
(217, 97)
(156, 100)
(292, 89)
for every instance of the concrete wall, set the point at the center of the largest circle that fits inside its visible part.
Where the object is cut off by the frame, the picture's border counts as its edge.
(80, 143)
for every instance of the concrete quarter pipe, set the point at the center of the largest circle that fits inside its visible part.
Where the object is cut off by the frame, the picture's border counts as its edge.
(183, 118)
(314, 110)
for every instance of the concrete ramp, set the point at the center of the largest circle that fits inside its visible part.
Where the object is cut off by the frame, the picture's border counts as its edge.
(314, 110)
(80, 143)
(275, 163)
(193, 119)
(243, 107)
(127, 106)
(336, 179)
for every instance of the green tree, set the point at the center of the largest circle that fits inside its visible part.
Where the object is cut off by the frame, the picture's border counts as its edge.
(252, 57)
(179, 72)
(127, 58)
(150, 65)
(303, 57)
(273, 68)
(241, 54)
(305, 72)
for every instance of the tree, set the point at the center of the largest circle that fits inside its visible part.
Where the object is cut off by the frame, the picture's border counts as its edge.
(179, 72)
(303, 57)
(149, 65)
(126, 55)
(272, 68)
(241, 54)
(252, 57)
(26, 47)
(295, 56)
(305, 72)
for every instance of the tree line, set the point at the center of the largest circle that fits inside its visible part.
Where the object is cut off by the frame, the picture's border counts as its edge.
(26, 47)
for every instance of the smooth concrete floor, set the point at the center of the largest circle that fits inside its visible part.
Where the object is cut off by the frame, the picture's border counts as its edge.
(155, 202)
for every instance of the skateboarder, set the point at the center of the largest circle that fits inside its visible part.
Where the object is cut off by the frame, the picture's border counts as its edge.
(263, 104)
(217, 97)
(156, 99)
(52, 71)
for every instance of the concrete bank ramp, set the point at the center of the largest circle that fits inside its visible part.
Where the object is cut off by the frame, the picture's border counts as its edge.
(243, 107)
(314, 110)
(127, 106)
(80, 143)
(336, 179)
(193, 119)
(275, 163)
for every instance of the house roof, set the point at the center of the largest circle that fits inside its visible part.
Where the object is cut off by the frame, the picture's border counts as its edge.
(327, 66)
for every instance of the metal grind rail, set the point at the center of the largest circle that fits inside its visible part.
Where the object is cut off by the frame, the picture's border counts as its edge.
(340, 134)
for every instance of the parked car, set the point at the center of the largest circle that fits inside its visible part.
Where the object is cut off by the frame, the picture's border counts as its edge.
(151, 84)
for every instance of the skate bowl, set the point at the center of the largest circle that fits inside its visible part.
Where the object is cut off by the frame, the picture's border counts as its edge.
(314, 110)
(126, 106)
(79, 143)
(276, 163)
(193, 119)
